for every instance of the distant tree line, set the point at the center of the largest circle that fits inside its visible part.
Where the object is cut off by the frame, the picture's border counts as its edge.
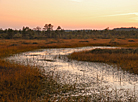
(126, 29)
(48, 32)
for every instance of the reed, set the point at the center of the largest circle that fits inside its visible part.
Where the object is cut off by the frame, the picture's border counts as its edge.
(126, 60)
(19, 83)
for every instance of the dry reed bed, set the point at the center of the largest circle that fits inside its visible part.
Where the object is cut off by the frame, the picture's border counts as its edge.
(19, 82)
(125, 58)
(25, 83)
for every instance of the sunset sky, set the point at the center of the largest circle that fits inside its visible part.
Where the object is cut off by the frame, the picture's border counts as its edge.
(69, 14)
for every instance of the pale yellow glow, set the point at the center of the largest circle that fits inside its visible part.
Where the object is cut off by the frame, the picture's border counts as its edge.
(69, 14)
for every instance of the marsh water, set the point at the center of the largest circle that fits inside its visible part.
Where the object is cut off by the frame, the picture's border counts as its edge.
(88, 77)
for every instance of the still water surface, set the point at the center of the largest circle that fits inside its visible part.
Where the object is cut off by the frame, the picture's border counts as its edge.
(89, 77)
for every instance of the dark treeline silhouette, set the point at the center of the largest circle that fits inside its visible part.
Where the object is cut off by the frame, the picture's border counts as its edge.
(126, 29)
(48, 32)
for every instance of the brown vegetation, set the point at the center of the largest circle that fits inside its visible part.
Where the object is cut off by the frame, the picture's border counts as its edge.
(19, 82)
(125, 58)
(25, 83)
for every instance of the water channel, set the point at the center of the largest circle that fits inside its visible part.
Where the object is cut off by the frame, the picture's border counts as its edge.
(89, 77)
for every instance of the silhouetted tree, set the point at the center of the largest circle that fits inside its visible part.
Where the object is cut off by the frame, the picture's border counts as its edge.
(1, 31)
(38, 28)
(48, 27)
(10, 33)
(106, 29)
(25, 31)
(58, 28)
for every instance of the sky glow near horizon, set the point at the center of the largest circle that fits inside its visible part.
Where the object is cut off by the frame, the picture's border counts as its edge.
(69, 14)
(78, 0)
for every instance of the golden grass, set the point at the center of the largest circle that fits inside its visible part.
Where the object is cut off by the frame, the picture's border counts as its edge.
(18, 82)
(128, 62)
(15, 46)
(25, 83)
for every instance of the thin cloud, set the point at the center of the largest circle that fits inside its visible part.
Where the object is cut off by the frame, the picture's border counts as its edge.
(123, 14)
(135, 17)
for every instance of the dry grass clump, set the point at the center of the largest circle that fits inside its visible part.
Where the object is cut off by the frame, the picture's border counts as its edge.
(126, 58)
(19, 82)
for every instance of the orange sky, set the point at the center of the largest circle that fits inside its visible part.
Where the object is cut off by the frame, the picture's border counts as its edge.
(69, 14)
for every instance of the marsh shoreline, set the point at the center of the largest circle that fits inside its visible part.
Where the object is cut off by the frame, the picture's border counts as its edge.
(84, 75)
(126, 58)
(10, 72)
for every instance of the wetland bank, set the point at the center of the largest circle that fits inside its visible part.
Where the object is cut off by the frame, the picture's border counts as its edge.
(73, 80)
(88, 78)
